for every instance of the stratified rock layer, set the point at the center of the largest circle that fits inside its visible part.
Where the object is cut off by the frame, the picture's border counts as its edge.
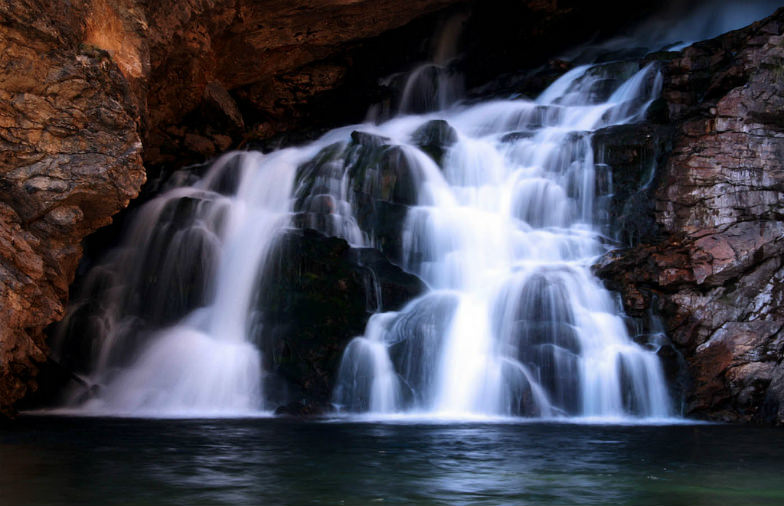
(715, 273)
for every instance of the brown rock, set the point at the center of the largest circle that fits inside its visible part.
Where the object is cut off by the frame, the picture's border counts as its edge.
(71, 157)
(83, 82)
(718, 272)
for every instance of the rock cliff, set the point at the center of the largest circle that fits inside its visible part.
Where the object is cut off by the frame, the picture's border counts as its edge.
(96, 95)
(84, 84)
(70, 157)
(713, 265)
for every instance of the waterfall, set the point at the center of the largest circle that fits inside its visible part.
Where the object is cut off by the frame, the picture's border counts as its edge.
(174, 298)
(505, 234)
(499, 212)
(431, 85)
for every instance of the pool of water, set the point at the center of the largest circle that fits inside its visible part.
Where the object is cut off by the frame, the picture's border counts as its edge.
(268, 461)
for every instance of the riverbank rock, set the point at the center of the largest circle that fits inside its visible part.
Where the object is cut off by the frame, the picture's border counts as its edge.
(715, 274)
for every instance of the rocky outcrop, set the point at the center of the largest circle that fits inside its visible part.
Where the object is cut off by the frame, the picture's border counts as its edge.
(84, 84)
(318, 295)
(70, 157)
(272, 59)
(715, 270)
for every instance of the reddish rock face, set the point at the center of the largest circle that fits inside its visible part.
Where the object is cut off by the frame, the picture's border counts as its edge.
(717, 274)
(83, 83)
(273, 56)
(70, 157)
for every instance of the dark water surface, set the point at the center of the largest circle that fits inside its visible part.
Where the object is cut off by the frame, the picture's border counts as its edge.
(273, 461)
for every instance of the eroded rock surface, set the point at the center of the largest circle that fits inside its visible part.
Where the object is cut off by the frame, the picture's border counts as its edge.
(70, 157)
(716, 272)
(84, 83)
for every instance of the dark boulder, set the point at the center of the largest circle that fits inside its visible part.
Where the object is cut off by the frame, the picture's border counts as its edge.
(631, 154)
(434, 138)
(318, 294)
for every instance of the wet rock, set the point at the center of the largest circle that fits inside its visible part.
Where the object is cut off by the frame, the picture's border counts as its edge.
(632, 153)
(516, 136)
(676, 373)
(715, 273)
(434, 138)
(301, 409)
(526, 84)
(70, 157)
(220, 108)
(318, 294)
(282, 64)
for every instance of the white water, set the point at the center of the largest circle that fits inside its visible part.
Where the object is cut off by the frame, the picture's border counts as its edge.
(504, 235)
(515, 323)
(204, 364)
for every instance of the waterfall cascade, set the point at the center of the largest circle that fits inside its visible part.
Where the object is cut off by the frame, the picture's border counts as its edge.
(505, 234)
(172, 302)
(502, 206)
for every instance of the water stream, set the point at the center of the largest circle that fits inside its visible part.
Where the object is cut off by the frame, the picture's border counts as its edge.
(505, 234)
(503, 226)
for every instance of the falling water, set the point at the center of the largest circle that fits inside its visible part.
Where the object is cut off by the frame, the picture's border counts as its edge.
(505, 234)
(499, 213)
(432, 85)
(501, 221)
(175, 297)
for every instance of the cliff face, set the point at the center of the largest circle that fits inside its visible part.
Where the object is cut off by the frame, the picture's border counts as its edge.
(70, 158)
(93, 90)
(716, 272)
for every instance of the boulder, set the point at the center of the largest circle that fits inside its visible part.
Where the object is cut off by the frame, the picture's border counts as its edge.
(318, 294)
(434, 138)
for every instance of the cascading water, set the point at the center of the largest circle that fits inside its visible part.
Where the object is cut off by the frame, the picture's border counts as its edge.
(515, 324)
(495, 206)
(174, 299)
(432, 85)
